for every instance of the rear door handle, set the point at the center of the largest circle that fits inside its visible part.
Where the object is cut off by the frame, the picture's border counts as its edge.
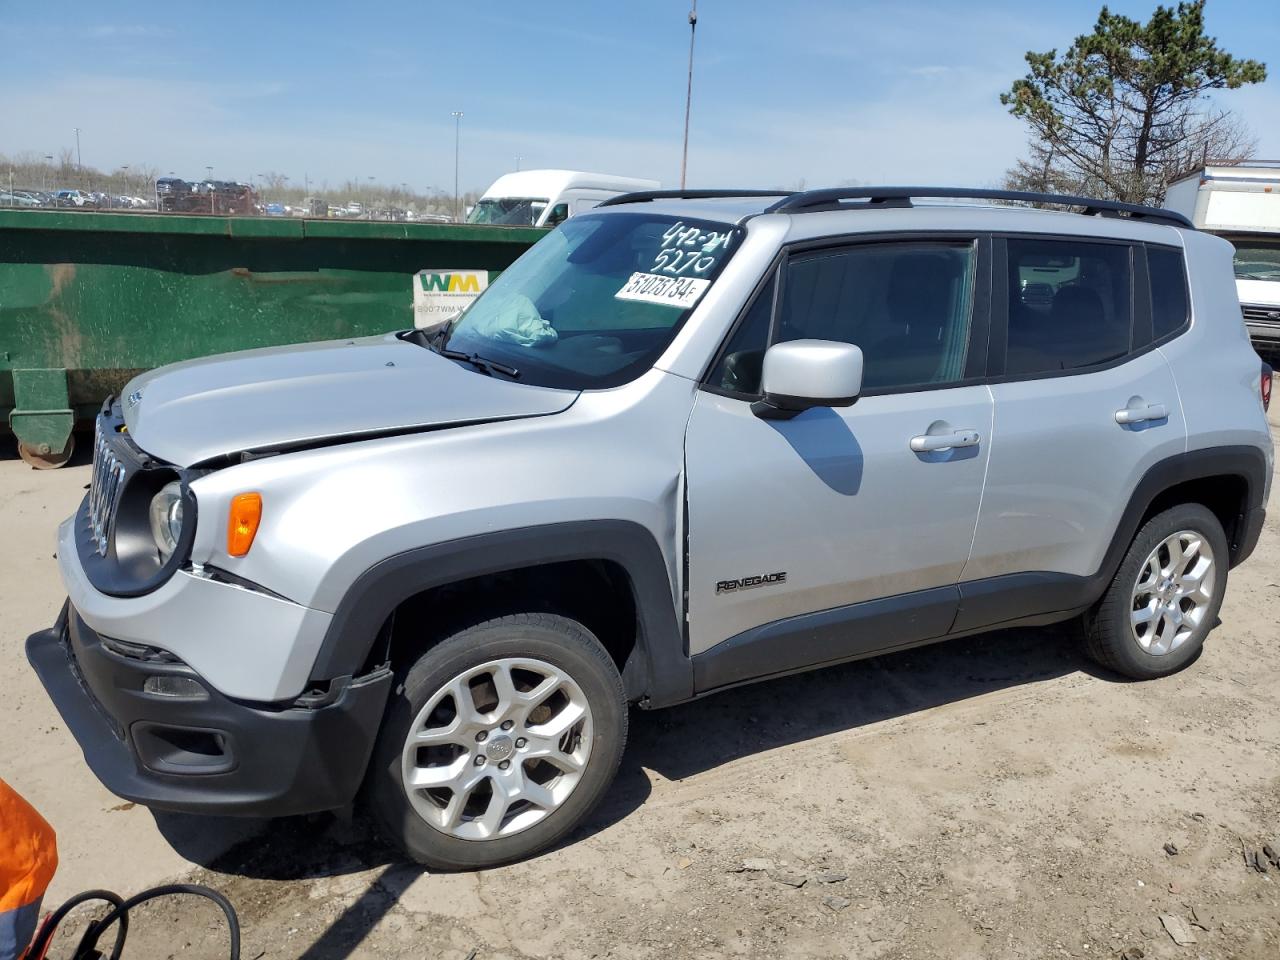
(932, 442)
(1152, 411)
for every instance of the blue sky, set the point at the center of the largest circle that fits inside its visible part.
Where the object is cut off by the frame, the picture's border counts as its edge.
(813, 91)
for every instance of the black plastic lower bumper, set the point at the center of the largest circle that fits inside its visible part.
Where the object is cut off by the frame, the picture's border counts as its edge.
(204, 753)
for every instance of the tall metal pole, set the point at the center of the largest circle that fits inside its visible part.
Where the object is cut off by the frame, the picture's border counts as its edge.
(457, 135)
(44, 173)
(79, 164)
(688, 97)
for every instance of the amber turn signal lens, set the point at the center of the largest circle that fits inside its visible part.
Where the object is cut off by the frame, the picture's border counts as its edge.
(242, 524)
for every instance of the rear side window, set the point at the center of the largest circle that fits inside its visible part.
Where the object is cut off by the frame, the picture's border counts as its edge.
(909, 307)
(1169, 307)
(1070, 304)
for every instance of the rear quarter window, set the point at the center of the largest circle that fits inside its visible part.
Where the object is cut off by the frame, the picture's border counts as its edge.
(1170, 306)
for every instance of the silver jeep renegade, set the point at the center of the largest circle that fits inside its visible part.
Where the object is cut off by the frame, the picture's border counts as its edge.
(687, 441)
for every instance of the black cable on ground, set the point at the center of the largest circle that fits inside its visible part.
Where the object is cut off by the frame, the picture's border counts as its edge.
(88, 946)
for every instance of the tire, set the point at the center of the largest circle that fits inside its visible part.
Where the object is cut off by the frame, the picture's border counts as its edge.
(1132, 630)
(551, 668)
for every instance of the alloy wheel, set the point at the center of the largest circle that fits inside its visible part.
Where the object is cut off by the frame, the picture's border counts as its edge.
(497, 749)
(1174, 589)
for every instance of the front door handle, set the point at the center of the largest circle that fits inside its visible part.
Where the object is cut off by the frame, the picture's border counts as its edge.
(1152, 411)
(932, 442)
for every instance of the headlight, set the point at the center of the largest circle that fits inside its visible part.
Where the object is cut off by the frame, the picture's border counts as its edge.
(166, 519)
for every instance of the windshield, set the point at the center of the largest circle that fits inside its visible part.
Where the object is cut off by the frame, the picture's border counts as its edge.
(520, 211)
(596, 301)
(1257, 260)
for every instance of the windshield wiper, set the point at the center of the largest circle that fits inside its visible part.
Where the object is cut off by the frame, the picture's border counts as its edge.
(480, 363)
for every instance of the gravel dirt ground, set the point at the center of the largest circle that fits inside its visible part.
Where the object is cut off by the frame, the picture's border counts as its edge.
(991, 797)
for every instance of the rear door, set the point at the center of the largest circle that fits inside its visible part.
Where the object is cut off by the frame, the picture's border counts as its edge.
(1085, 403)
(827, 536)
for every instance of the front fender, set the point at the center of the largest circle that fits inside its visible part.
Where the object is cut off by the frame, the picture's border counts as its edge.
(658, 672)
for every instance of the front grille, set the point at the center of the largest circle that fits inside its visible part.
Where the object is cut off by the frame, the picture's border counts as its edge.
(1267, 315)
(104, 490)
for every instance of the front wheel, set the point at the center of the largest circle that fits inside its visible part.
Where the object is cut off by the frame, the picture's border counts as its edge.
(1165, 597)
(498, 741)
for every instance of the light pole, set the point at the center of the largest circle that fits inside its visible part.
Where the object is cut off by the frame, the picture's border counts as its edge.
(368, 207)
(79, 163)
(44, 173)
(518, 159)
(457, 136)
(125, 168)
(688, 97)
(213, 197)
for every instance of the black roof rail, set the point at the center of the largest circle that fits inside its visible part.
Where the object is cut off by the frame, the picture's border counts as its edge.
(644, 196)
(829, 199)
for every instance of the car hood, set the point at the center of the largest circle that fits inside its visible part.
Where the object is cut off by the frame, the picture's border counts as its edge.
(316, 393)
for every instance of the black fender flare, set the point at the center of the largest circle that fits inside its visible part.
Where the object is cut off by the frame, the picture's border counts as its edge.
(658, 671)
(1015, 597)
(1246, 462)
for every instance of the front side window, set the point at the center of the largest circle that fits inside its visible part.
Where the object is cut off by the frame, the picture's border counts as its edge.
(1257, 259)
(909, 307)
(596, 301)
(742, 360)
(1070, 304)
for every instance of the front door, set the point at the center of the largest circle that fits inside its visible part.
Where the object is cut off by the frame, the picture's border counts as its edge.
(841, 531)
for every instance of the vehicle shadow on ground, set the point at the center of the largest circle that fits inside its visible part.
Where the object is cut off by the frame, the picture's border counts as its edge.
(677, 743)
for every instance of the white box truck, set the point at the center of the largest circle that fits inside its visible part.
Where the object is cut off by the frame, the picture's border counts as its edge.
(544, 198)
(1242, 204)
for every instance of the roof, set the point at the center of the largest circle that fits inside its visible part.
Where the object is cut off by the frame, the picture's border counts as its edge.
(548, 183)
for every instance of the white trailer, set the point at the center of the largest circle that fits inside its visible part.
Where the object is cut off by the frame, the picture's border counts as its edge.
(1242, 204)
(544, 198)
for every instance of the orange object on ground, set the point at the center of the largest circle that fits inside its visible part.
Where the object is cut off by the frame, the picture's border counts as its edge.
(28, 859)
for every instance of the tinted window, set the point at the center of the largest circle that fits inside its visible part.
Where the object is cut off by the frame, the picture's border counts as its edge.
(1069, 304)
(743, 358)
(1168, 290)
(908, 306)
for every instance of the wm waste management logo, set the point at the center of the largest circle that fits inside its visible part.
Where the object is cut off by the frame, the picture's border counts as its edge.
(438, 295)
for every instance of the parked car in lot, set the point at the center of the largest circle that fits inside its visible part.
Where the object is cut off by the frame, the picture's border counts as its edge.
(73, 198)
(685, 442)
(17, 198)
(172, 193)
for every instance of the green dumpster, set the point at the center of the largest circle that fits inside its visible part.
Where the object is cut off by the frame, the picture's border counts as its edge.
(89, 299)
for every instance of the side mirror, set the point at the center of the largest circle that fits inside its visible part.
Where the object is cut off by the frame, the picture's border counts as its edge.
(801, 374)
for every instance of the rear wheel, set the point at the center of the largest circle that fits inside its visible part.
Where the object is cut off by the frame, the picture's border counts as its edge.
(498, 741)
(1165, 597)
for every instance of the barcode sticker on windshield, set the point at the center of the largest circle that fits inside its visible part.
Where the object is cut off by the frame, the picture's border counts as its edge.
(681, 292)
